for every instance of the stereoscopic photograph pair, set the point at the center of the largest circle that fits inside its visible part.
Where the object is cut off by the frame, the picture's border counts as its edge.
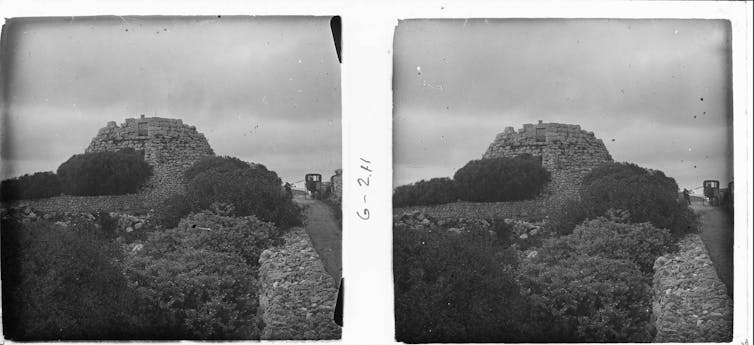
(181, 178)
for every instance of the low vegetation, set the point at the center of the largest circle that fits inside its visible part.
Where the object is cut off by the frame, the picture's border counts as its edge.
(453, 288)
(63, 283)
(198, 280)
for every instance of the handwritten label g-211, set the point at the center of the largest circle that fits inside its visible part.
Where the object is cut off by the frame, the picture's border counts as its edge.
(364, 175)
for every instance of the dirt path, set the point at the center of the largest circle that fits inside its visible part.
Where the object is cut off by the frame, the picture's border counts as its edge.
(325, 233)
(717, 233)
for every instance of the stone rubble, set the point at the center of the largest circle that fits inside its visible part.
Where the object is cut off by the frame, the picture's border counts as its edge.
(417, 220)
(297, 296)
(125, 223)
(690, 302)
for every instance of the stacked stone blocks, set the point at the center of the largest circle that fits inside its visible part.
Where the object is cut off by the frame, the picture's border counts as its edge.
(566, 151)
(168, 145)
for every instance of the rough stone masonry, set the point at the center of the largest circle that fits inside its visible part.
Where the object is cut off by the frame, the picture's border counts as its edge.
(168, 145)
(566, 151)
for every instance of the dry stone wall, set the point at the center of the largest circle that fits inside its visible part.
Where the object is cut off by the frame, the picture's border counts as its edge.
(169, 145)
(132, 203)
(690, 302)
(296, 295)
(567, 151)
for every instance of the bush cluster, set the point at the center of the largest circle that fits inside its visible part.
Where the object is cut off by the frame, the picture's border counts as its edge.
(63, 283)
(484, 180)
(435, 191)
(174, 208)
(594, 285)
(648, 196)
(36, 186)
(582, 298)
(104, 173)
(197, 280)
(453, 288)
(640, 243)
(250, 188)
(501, 179)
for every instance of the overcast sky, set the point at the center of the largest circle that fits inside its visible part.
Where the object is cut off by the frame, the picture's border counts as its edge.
(264, 89)
(656, 91)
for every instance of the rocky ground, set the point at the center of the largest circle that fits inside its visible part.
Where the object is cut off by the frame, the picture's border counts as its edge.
(522, 233)
(690, 302)
(123, 223)
(297, 296)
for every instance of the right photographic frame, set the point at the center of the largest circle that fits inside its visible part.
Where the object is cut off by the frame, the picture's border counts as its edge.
(563, 180)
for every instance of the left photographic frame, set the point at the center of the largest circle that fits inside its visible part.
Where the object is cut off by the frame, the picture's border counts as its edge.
(171, 177)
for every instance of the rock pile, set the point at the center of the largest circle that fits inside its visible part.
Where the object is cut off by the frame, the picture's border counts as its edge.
(297, 296)
(567, 151)
(690, 303)
(167, 144)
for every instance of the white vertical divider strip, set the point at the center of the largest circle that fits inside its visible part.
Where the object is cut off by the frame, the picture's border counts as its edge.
(741, 28)
(367, 124)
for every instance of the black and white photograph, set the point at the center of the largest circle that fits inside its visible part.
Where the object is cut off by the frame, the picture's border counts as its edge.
(171, 178)
(563, 180)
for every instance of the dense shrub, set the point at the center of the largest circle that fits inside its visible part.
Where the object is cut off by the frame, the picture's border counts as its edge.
(648, 195)
(217, 163)
(594, 285)
(170, 211)
(104, 173)
(63, 283)
(252, 191)
(432, 192)
(500, 179)
(198, 279)
(453, 288)
(640, 243)
(582, 298)
(36, 186)
(564, 216)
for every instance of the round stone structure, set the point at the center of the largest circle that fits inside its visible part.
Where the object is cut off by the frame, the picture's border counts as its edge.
(168, 145)
(566, 151)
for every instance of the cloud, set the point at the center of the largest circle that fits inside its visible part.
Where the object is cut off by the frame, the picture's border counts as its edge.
(668, 81)
(68, 77)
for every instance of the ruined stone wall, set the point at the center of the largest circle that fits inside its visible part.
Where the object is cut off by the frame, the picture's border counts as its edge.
(168, 145)
(567, 151)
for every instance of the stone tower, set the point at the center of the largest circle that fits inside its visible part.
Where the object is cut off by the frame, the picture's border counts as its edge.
(167, 144)
(567, 151)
